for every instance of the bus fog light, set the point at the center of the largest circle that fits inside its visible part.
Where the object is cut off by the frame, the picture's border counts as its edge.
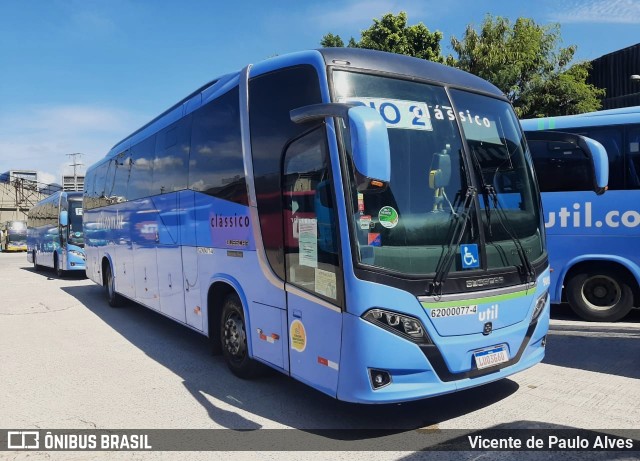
(393, 320)
(543, 343)
(412, 327)
(379, 378)
(402, 325)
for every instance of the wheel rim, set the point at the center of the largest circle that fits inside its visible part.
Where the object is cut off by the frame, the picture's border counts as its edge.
(235, 339)
(601, 293)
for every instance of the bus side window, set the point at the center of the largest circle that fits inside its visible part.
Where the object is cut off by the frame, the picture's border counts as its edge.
(171, 160)
(216, 166)
(611, 138)
(141, 177)
(311, 247)
(552, 160)
(121, 180)
(633, 157)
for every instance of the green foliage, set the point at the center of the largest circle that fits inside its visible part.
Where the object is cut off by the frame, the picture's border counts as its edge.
(331, 41)
(522, 59)
(391, 33)
(525, 62)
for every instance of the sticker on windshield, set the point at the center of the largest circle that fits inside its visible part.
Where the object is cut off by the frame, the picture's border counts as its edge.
(374, 239)
(388, 217)
(398, 113)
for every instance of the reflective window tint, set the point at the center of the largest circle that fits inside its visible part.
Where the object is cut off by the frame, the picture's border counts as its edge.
(552, 161)
(118, 191)
(633, 157)
(272, 97)
(216, 166)
(611, 139)
(170, 164)
(141, 178)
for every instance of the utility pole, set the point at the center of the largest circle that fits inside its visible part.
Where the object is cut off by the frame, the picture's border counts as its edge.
(75, 164)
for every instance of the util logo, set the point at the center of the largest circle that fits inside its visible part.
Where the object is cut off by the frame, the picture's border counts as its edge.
(490, 314)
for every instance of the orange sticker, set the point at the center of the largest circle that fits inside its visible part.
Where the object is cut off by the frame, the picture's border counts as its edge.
(298, 336)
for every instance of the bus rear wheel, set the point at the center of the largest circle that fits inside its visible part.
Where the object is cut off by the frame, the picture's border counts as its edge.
(233, 336)
(113, 298)
(600, 296)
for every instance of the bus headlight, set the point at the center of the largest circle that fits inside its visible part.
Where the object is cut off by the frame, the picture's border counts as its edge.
(77, 254)
(540, 303)
(403, 325)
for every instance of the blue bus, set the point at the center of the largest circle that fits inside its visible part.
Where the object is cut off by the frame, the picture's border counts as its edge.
(364, 222)
(55, 237)
(594, 241)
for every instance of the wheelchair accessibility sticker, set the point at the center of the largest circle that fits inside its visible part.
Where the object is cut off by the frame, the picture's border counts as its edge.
(469, 256)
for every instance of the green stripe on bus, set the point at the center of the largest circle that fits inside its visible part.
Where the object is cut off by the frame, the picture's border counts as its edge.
(471, 301)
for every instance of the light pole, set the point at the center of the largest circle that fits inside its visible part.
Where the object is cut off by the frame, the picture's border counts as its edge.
(74, 165)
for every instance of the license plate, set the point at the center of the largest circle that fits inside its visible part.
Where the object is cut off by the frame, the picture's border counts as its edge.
(490, 357)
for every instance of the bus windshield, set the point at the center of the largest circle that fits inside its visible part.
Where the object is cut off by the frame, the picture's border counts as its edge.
(76, 235)
(414, 221)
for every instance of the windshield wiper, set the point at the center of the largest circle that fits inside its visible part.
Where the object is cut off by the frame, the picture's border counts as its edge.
(489, 192)
(445, 261)
(527, 268)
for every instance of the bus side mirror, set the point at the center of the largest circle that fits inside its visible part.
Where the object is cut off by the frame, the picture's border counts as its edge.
(368, 135)
(370, 147)
(600, 161)
(64, 218)
(595, 155)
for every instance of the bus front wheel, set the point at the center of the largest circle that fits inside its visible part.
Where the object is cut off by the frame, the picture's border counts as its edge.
(36, 266)
(233, 335)
(113, 298)
(600, 296)
(56, 266)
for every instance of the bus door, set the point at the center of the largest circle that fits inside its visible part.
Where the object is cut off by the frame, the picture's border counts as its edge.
(188, 247)
(313, 274)
(144, 234)
(169, 257)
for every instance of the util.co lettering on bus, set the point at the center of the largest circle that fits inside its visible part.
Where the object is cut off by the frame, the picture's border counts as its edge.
(581, 215)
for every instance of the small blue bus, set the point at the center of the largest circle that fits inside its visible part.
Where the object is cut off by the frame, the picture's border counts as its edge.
(594, 240)
(364, 222)
(55, 237)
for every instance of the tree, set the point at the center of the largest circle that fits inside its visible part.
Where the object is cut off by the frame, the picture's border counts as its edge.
(391, 33)
(331, 41)
(524, 60)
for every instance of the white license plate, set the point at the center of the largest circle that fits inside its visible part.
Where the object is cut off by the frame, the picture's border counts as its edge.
(490, 357)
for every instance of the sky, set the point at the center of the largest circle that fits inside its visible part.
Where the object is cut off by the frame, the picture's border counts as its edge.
(80, 75)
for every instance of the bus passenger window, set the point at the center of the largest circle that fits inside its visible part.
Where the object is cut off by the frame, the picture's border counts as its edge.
(633, 157)
(216, 167)
(171, 160)
(553, 159)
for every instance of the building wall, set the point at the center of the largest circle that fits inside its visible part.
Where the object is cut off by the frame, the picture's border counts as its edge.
(612, 72)
(68, 184)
